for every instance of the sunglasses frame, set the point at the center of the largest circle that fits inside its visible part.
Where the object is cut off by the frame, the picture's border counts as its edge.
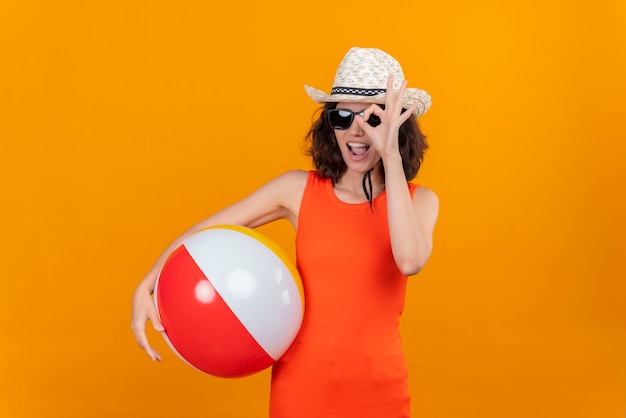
(373, 120)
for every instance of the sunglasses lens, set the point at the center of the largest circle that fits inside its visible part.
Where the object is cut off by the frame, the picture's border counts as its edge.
(373, 121)
(340, 119)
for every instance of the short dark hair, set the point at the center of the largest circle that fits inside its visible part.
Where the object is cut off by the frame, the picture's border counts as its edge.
(322, 147)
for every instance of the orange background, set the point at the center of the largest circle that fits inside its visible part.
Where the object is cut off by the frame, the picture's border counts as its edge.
(124, 122)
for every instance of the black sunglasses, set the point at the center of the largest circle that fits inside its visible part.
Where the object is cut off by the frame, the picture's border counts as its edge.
(342, 118)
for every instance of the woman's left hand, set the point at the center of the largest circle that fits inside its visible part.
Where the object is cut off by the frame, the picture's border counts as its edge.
(384, 137)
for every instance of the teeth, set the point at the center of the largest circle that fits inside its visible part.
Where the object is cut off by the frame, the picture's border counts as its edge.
(357, 145)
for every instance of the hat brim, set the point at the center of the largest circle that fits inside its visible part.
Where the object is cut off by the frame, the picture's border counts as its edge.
(411, 96)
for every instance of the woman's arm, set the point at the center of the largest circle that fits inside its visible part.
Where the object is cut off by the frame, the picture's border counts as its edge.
(411, 221)
(278, 199)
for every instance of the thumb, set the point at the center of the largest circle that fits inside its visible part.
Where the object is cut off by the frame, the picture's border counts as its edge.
(157, 325)
(156, 322)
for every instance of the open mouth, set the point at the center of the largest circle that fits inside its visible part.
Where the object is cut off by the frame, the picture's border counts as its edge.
(358, 148)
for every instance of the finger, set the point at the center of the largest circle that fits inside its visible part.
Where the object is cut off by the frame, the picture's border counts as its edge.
(139, 329)
(400, 99)
(154, 355)
(143, 343)
(411, 109)
(395, 103)
(390, 96)
(157, 326)
(373, 109)
(153, 316)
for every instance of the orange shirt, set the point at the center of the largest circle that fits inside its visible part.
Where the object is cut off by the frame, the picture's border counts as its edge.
(347, 360)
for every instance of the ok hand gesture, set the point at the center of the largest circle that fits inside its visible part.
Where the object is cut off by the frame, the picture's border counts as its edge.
(384, 137)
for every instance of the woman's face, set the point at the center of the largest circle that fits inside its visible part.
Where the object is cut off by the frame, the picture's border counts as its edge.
(354, 143)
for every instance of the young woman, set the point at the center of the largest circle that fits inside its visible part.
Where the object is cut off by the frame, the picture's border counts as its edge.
(362, 228)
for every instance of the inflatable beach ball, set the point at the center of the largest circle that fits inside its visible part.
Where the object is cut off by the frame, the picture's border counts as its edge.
(230, 301)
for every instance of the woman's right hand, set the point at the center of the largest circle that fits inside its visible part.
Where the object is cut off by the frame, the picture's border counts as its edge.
(145, 310)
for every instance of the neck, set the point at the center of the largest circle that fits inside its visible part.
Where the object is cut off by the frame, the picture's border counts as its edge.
(350, 184)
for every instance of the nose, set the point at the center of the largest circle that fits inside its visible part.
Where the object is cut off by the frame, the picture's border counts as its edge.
(354, 127)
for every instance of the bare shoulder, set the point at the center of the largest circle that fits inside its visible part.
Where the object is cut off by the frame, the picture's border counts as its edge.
(426, 201)
(290, 186)
(424, 195)
(290, 183)
(279, 198)
(294, 178)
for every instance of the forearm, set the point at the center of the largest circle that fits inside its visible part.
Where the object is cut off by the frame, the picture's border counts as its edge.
(410, 244)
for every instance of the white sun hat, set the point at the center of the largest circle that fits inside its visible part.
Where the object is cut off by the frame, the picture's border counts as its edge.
(362, 77)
